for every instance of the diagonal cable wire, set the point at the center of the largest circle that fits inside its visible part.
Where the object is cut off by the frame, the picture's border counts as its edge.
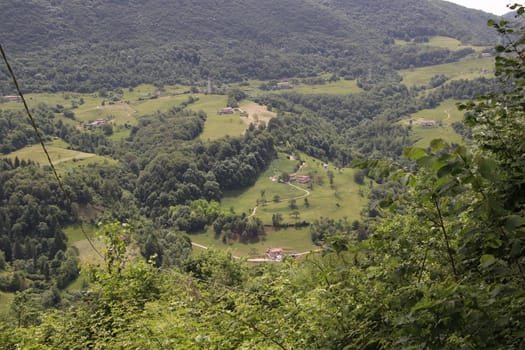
(41, 140)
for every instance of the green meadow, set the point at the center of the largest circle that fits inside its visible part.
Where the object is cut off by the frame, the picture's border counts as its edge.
(217, 126)
(470, 68)
(443, 116)
(64, 159)
(6, 299)
(58, 155)
(161, 104)
(118, 113)
(445, 43)
(291, 240)
(340, 87)
(338, 200)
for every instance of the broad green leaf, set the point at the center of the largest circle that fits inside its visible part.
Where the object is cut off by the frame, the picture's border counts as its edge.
(427, 161)
(487, 260)
(416, 153)
(438, 144)
(405, 180)
(445, 186)
(517, 249)
(462, 152)
(513, 222)
(487, 169)
(445, 170)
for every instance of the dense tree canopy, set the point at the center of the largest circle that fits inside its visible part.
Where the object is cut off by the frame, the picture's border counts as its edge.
(85, 46)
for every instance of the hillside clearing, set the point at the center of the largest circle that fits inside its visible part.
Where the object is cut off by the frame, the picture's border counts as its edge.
(339, 200)
(339, 87)
(217, 126)
(430, 124)
(445, 43)
(58, 155)
(291, 240)
(470, 68)
(256, 113)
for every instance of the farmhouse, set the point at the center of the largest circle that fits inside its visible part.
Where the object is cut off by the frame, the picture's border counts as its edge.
(10, 99)
(98, 122)
(275, 254)
(428, 123)
(304, 179)
(227, 110)
(284, 85)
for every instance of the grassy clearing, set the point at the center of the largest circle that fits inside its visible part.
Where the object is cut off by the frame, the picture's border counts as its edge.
(77, 239)
(176, 89)
(467, 69)
(256, 113)
(138, 92)
(65, 167)
(339, 200)
(65, 99)
(86, 253)
(6, 299)
(340, 87)
(291, 240)
(445, 43)
(78, 284)
(443, 115)
(64, 159)
(161, 104)
(119, 133)
(58, 155)
(452, 44)
(74, 233)
(119, 113)
(217, 126)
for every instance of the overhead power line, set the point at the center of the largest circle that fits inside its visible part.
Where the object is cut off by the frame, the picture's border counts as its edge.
(66, 195)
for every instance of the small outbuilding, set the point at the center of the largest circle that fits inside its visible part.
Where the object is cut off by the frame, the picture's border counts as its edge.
(227, 110)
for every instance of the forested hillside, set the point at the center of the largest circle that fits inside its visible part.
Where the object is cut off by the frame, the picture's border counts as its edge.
(85, 46)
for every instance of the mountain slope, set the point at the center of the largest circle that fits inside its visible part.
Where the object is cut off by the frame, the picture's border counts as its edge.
(88, 45)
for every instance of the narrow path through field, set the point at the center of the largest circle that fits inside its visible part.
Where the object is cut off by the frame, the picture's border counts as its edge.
(76, 157)
(307, 193)
(199, 245)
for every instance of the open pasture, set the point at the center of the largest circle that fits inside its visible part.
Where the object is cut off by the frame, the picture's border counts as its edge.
(470, 68)
(430, 124)
(217, 126)
(119, 114)
(444, 43)
(256, 113)
(291, 240)
(340, 87)
(338, 200)
(58, 155)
